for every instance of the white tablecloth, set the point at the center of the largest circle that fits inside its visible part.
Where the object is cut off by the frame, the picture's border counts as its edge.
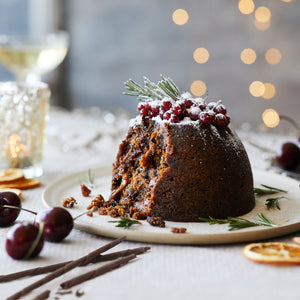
(86, 139)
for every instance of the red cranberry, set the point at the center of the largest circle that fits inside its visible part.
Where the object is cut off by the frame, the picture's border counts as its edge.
(288, 157)
(211, 105)
(58, 223)
(20, 239)
(166, 105)
(188, 103)
(154, 111)
(220, 109)
(9, 215)
(221, 120)
(167, 116)
(205, 117)
(174, 119)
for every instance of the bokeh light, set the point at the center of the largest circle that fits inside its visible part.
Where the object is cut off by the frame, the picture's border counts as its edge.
(263, 14)
(180, 16)
(273, 56)
(286, 0)
(201, 55)
(262, 26)
(248, 56)
(257, 88)
(270, 117)
(270, 91)
(246, 7)
(198, 88)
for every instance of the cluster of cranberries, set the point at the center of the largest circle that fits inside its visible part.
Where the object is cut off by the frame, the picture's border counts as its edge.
(195, 109)
(288, 156)
(25, 240)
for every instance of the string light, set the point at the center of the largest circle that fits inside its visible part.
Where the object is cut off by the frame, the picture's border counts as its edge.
(263, 14)
(273, 56)
(271, 117)
(198, 88)
(246, 7)
(262, 26)
(270, 91)
(248, 56)
(201, 55)
(257, 88)
(180, 16)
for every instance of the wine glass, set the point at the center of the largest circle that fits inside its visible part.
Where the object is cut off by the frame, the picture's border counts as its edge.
(31, 56)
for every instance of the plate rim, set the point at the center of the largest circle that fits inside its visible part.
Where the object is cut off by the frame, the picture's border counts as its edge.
(163, 237)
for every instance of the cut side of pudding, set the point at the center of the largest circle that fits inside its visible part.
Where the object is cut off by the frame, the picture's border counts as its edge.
(180, 171)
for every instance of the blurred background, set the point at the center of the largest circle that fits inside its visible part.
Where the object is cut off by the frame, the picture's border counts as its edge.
(245, 52)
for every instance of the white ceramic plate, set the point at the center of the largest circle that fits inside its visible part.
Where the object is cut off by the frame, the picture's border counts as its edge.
(287, 218)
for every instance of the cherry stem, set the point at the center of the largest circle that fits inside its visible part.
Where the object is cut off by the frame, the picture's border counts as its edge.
(84, 213)
(16, 207)
(36, 241)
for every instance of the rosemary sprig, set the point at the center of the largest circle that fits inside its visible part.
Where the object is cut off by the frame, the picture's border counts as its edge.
(239, 223)
(152, 91)
(125, 222)
(89, 180)
(269, 190)
(273, 203)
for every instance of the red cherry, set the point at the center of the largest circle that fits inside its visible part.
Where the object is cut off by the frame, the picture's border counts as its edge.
(9, 215)
(58, 223)
(205, 117)
(20, 240)
(288, 156)
(167, 116)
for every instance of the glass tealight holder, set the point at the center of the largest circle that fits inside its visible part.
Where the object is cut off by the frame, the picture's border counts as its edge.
(24, 112)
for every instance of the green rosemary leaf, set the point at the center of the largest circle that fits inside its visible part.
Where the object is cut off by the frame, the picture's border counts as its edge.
(235, 223)
(273, 188)
(89, 180)
(151, 90)
(273, 203)
(125, 222)
(213, 221)
(239, 223)
(263, 220)
(267, 191)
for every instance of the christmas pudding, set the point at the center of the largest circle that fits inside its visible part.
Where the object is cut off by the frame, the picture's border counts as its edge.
(180, 160)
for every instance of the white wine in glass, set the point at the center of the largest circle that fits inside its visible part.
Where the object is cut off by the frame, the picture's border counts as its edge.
(29, 57)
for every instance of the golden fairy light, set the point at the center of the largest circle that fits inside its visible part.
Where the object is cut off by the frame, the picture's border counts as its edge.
(263, 14)
(271, 117)
(198, 88)
(286, 0)
(257, 88)
(246, 7)
(262, 26)
(273, 56)
(180, 16)
(270, 91)
(201, 55)
(248, 56)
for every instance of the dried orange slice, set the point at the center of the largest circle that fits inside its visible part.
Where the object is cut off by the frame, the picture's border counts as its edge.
(16, 191)
(9, 175)
(273, 253)
(296, 240)
(22, 184)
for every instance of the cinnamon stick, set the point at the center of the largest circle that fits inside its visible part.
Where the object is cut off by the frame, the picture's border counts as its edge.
(97, 272)
(71, 265)
(53, 267)
(44, 295)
